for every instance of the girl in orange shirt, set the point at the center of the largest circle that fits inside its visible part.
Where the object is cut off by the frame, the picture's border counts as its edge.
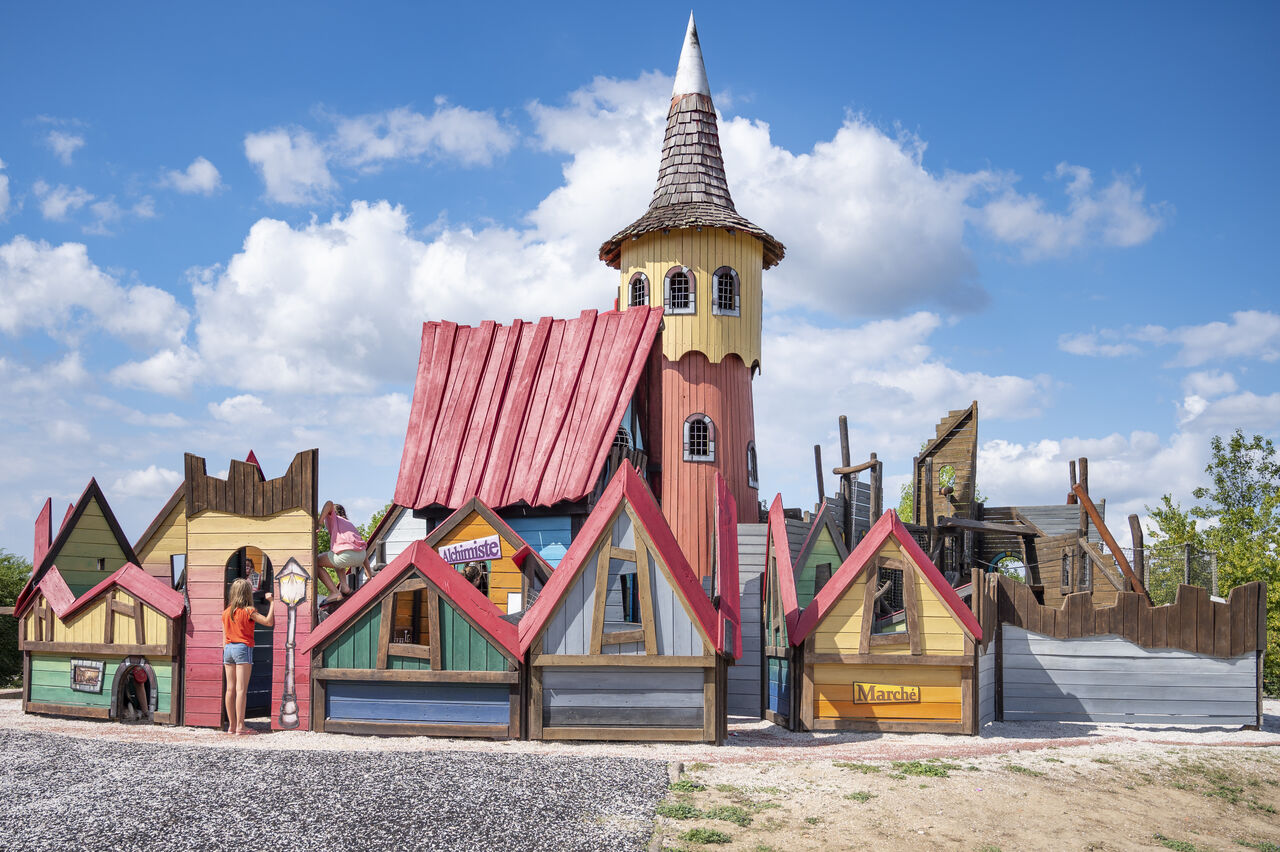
(237, 651)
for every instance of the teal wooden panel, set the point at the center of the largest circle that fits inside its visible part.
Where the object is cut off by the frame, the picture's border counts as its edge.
(463, 648)
(357, 646)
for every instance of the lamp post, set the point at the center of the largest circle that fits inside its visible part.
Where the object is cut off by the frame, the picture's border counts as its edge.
(293, 591)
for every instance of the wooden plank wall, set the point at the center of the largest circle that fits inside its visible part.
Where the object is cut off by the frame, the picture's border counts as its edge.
(986, 685)
(399, 534)
(549, 535)
(703, 252)
(91, 539)
(694, 385)
(169, 540)
(957, 445)
(622, 698)
(744, 677)
(504, 577)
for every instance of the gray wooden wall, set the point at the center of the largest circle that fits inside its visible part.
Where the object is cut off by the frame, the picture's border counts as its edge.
(629, 696)
(745, 677)
(569, 631)
(398, 535)
(986, 684)
(1109, 679)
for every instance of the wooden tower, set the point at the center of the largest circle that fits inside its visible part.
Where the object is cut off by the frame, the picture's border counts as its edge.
(695, 256)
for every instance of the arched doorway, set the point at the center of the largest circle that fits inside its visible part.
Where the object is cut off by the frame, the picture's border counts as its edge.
(133, 691)
(251, 563)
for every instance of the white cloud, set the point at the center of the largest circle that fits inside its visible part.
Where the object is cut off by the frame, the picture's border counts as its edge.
(68, 432)
(1245, 410)
(292, 165)
(469, 136)
(64, 144)
(53, 287)
(1115, 215)
(1209, 383)
(169, 371)
(200, 177)
(107, 213)
(57, 376)
(151, 482)
(244, 408)
(1250, 334)
(57, 201)
(1090, 343)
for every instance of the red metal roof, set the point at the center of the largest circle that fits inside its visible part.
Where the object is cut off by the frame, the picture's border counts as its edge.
(129, 577)
(521, 413)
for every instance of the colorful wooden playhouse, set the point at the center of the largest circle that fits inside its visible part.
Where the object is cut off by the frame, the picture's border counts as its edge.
(624, 643)
(417, 650)
(90, 618)
(858, 664)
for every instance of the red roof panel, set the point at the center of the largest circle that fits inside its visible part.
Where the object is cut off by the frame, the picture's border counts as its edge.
(523, 413)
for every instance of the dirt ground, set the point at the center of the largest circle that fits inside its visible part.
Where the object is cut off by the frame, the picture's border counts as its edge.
(1016, 786)
(1081, 797)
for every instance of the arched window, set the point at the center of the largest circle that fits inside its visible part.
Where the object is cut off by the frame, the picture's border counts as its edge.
(638, 290)
(699, 438)
(680, 294)
(753, 472)
(726, 298)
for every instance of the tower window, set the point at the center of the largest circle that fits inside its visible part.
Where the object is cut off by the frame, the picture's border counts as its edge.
(638, 290)
(681, 291)
(622, 439)
(753, 472)
(727, 292)
(699, 438)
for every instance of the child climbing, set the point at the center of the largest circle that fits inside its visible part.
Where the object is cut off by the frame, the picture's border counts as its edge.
(346, 550)
(237, 652)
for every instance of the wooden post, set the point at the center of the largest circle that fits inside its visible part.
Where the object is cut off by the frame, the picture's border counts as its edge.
(1071, 492)
(926, 492)
(1186, 563)
(877, 489)
(817, 464)
(1139, 552)
(1084, 474)
(846, 482)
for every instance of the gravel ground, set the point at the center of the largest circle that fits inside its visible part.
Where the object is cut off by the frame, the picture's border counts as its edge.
(64, 792)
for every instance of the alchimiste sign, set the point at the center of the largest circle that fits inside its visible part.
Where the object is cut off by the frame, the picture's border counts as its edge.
(880, 693)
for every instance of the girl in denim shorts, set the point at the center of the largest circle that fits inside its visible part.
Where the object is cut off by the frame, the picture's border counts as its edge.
(237, 651)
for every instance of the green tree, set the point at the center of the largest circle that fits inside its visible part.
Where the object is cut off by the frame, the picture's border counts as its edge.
(1175, 529)
(1241, 511)
(14, 571)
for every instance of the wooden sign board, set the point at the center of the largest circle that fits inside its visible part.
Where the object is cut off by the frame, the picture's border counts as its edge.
(86, 675)
(880, 693)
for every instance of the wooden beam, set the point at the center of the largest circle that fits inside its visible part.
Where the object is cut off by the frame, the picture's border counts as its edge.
(622, 637)
(602, 592)
(69, 710)
(622, 553)
(987, 526)
(868, 607)
(109, 627)
(384, 629)
(139, 624)
(888, 659)
(416, 729)
(911, 604)
(628, 660)
(709, 718)
(408, 649)
(99, 648)
(644, 590)
(535, 703)
(1139, 552)
(817, 464)
(416, 676)
(849, 470)
(433, 626)
(631, 734)
(1083, 495)
(1095, 556)
(1025, 521)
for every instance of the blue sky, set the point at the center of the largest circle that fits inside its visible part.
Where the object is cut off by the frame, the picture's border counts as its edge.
(221, 229)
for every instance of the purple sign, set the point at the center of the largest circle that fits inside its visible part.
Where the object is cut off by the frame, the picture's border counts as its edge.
(476, 550)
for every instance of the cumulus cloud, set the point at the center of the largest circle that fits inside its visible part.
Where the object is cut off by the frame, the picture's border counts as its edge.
(57, 201)
(200, 177)
(153, 481)
(1114, 215)
(292, 165)
(1250, 334)
(1245, 410)
(1209, 383)
(244, 408)
(469, 136)
(170, 371)
(64, 144)
(107, 214)
(56, 288)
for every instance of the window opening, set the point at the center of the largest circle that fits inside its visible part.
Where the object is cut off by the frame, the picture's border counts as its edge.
(477, 574)
(622, 438)
(638, 291)
(727, 292)
(1066, 572)
(680, 291)
(890, 616)
(699, 439)
(753, 472)
(409, 622)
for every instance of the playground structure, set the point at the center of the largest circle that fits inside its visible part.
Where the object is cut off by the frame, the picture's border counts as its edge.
(576, 550)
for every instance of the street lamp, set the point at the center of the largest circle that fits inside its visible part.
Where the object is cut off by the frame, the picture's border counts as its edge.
(293, 591)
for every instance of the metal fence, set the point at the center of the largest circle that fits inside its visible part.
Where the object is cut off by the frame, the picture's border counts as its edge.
(1168, 566)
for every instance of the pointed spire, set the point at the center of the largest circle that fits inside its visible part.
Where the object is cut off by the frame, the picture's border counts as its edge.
(691, 73)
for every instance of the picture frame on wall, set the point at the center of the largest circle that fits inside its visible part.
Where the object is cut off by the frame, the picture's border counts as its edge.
(86, 676)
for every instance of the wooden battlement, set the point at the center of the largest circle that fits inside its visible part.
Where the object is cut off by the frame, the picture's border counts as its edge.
(247, 493)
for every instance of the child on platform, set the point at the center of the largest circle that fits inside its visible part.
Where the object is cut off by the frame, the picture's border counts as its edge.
(346, 550)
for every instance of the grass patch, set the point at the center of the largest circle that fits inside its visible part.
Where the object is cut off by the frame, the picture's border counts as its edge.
(763, 847)
(765, 790)
(924, 768)
(1053, 760)
(1260, 845)
(988, 848)
(678, 810)
(1108, 761)
(1176, 845)
(864, 768)
(698, 767)
(728, 788)
(1023, 770)
(686, 785)
(705, 835)
(813, 820)
(729, 813)
(860, 796)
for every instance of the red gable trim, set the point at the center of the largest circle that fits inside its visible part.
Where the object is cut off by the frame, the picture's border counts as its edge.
(779, 547)
(44, 532)
(625, 485)
(523, 413)
(129, 577)
(727, 588)
(55, 591)
(887, 527)
(455, 587)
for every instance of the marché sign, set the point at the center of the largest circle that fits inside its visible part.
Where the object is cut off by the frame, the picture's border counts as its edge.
(879, 693)
(476, 550)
